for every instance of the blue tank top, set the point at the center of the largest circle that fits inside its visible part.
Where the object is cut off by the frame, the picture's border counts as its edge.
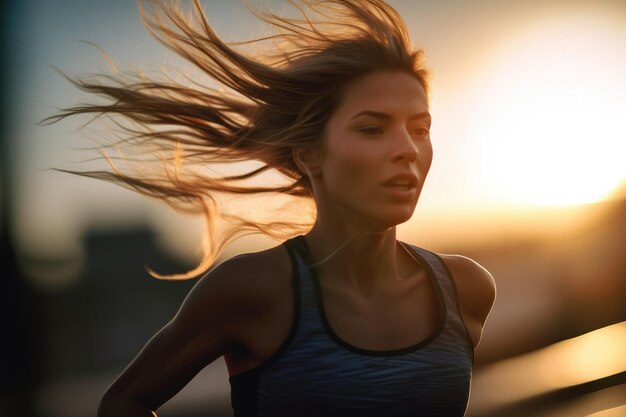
(315, 373)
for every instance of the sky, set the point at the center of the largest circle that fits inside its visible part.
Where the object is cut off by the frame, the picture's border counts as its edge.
(528, 104)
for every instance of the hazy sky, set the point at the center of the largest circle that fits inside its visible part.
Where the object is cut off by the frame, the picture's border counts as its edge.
(529, 99)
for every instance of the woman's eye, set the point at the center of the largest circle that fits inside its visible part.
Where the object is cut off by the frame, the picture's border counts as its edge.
(372, 130)
(421, 131)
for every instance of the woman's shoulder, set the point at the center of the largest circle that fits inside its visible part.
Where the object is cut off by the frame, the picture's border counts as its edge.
(476, 290)
(249, 281)
(467, 272)
(474, 283)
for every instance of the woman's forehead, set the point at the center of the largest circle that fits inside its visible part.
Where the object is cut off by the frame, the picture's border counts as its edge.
(385, 92)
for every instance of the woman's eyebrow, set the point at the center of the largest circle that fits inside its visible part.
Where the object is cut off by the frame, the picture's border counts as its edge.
(381, 115)
(422, 115)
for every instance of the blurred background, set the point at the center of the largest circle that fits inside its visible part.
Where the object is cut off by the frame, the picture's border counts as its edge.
(528, 102)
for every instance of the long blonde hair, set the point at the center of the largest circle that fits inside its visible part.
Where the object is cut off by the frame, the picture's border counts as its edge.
(267, 104)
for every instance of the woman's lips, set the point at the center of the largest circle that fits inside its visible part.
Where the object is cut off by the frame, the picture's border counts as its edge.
(399, 191)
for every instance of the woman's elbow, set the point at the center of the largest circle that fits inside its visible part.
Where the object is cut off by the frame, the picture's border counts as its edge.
(113, 404)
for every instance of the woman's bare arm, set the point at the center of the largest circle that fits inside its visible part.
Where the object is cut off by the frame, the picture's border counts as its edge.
(204, 329)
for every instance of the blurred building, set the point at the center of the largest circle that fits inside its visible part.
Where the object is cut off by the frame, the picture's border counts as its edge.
(94, 323)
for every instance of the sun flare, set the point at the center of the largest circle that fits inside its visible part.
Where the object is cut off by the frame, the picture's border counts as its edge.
(548, 119)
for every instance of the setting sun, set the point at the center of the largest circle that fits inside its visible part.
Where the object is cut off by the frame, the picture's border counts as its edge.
(547, 124)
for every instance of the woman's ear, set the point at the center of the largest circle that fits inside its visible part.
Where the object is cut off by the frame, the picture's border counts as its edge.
(308, 161)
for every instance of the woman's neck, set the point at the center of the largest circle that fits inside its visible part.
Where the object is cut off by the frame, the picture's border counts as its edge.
(365, 260)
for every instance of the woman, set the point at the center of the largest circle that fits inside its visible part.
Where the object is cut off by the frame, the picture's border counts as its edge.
(341, 321)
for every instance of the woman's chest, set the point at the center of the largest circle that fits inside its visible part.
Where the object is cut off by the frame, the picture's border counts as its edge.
(405, 318)
(320, 379)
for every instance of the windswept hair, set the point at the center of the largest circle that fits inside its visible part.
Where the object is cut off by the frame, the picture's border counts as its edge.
(171, 134)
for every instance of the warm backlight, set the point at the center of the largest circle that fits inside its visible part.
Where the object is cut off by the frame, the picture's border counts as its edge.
(547, 127)
(589, 357)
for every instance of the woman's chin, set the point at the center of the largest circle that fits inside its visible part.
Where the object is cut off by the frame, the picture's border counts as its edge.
(381, 223)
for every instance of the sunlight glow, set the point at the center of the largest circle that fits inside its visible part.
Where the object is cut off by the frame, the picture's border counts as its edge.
(592, 356)
(611, 412)
(548, 121)
(585, 358)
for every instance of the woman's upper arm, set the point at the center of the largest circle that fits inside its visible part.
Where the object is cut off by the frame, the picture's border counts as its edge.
(202, 331)
(476, 291)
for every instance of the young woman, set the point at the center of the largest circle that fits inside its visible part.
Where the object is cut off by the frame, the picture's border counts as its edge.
(343, 320)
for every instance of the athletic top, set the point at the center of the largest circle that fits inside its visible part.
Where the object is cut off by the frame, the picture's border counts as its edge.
(316, 373)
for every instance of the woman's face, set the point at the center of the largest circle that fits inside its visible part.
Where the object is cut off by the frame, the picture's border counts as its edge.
(377, 151)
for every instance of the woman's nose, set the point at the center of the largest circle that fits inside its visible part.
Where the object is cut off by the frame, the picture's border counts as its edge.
(404, 147)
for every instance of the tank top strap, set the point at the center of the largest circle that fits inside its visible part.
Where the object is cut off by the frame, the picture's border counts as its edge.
(454, 322)
(313, 373)
(309, 317)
